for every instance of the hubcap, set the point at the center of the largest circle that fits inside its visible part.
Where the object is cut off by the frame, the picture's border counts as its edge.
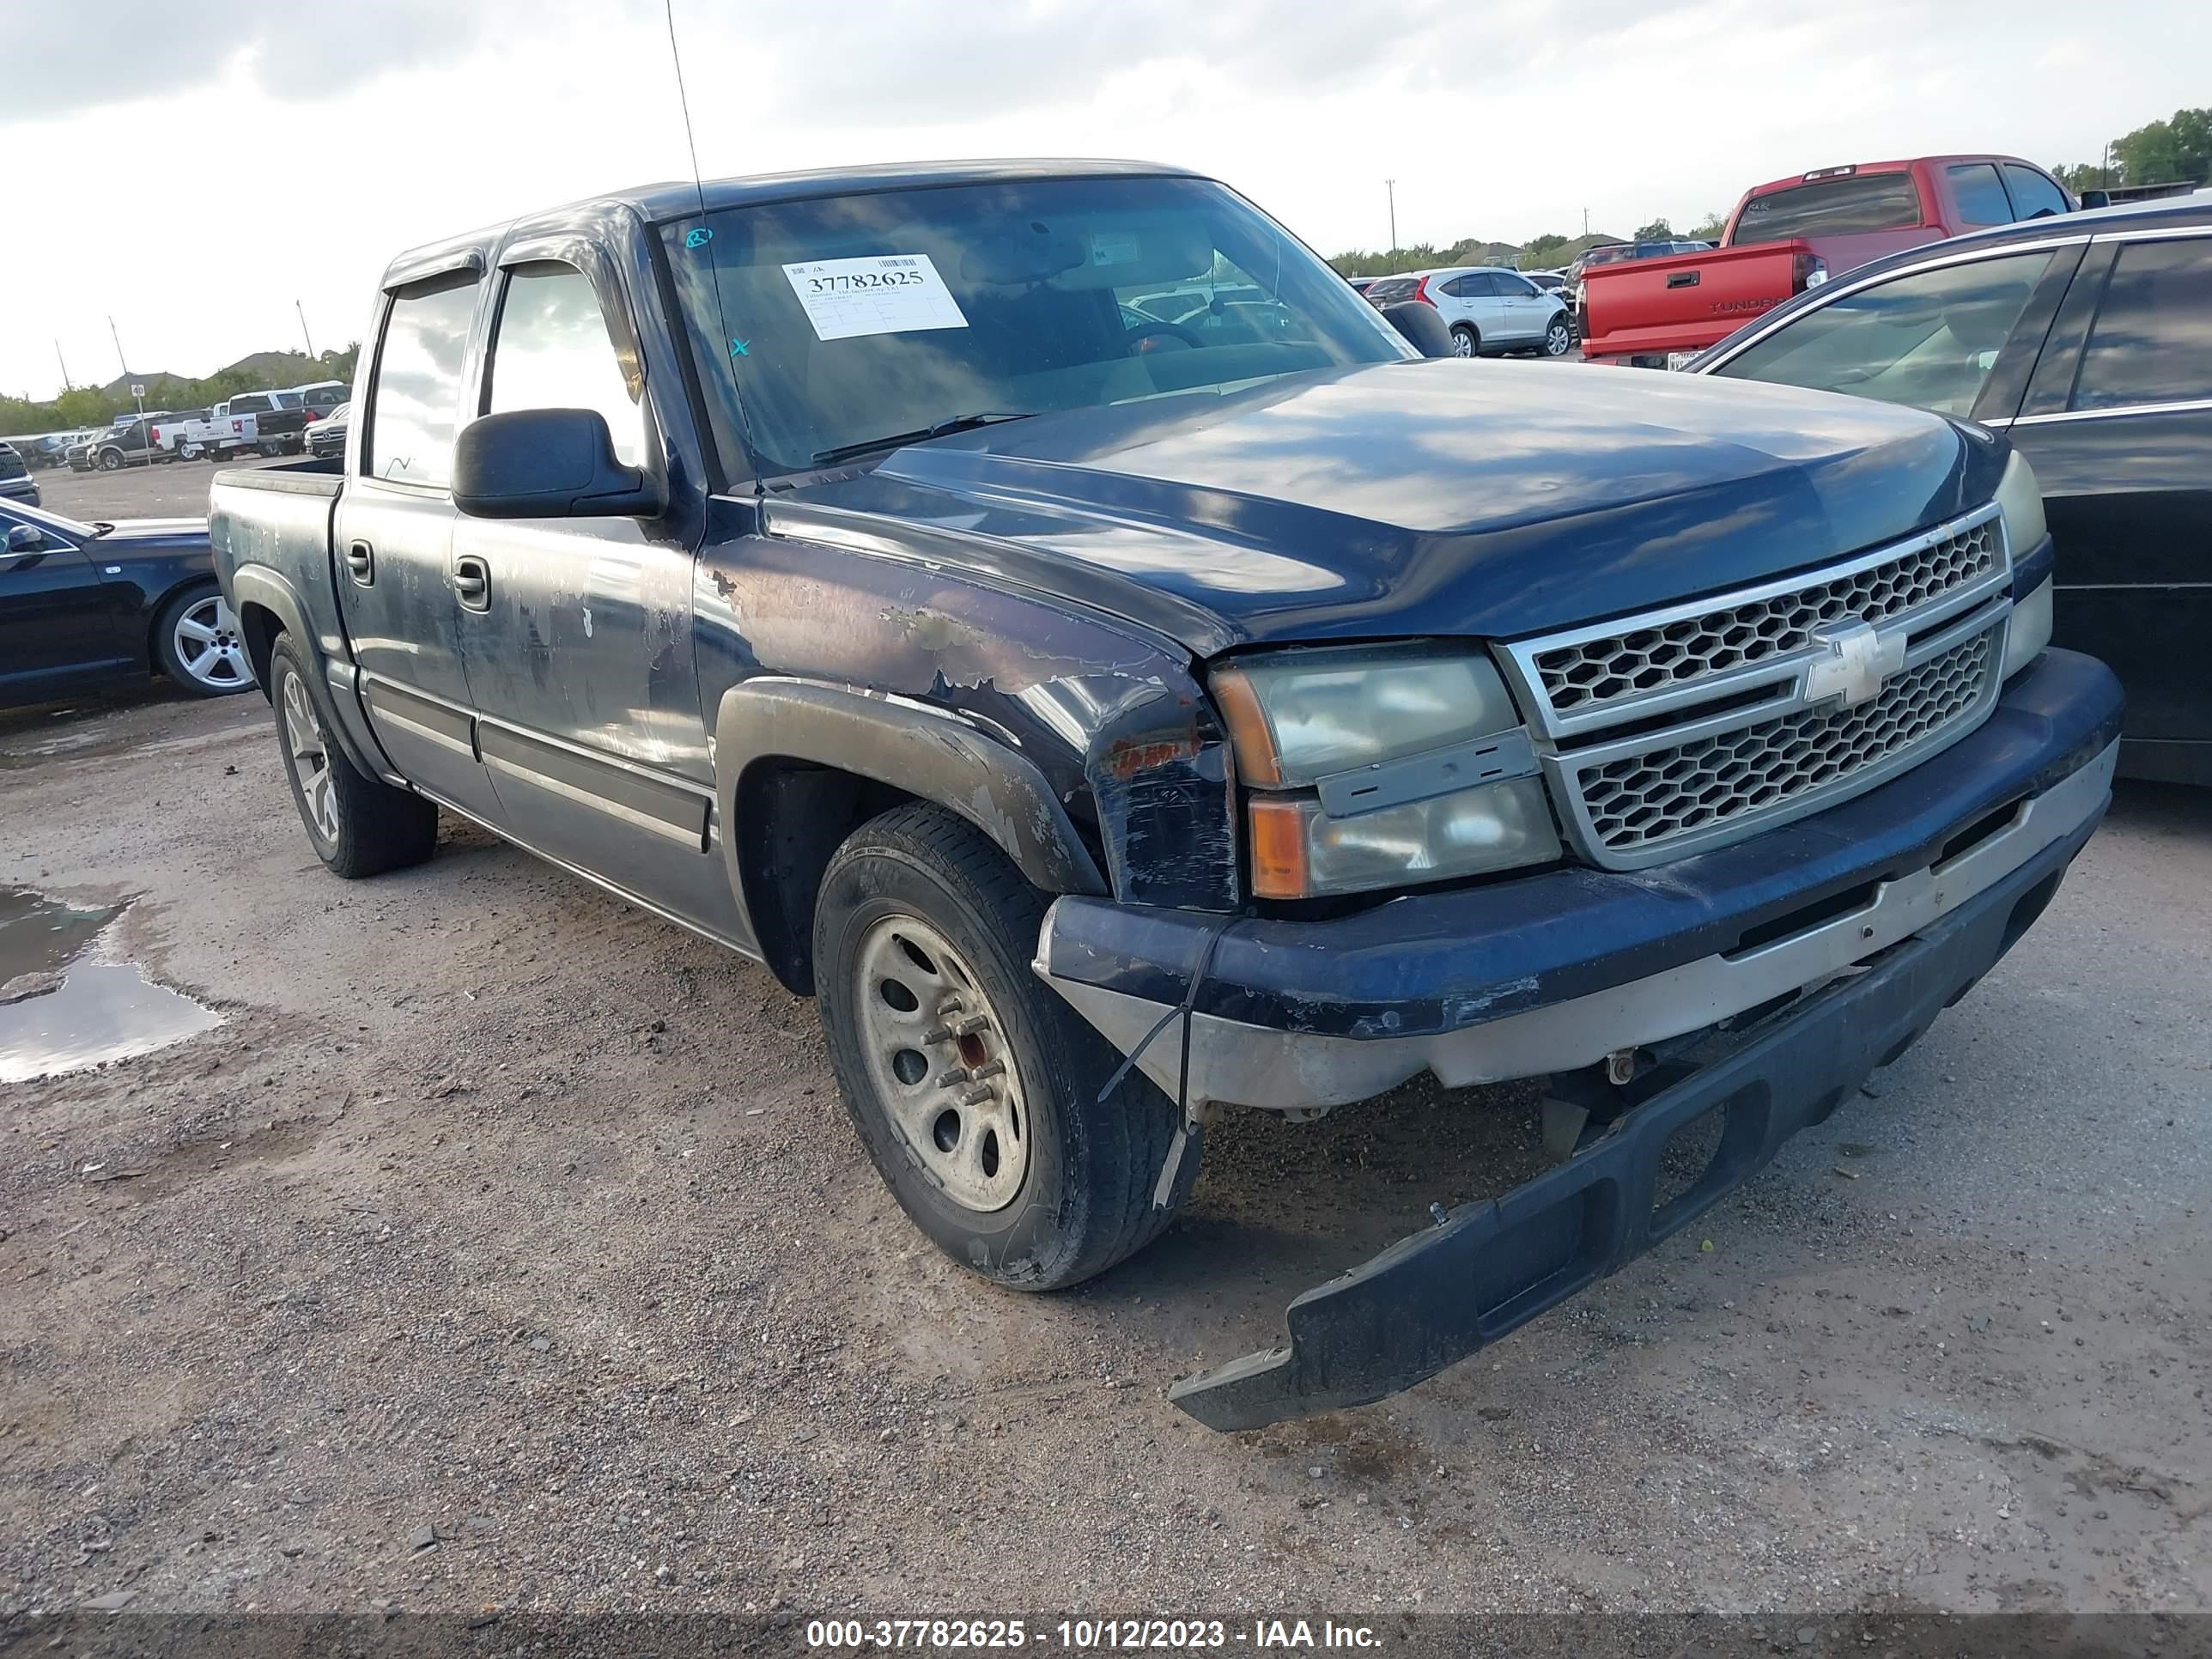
(941, 1063)
(1557, 340)
(309, 757)
(1462, 344)
(209, 646)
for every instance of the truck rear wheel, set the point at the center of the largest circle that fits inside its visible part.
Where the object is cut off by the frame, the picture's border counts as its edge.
(360, 825)
(973, 1088)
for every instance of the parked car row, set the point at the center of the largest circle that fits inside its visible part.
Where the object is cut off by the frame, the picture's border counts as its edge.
(1490, 310)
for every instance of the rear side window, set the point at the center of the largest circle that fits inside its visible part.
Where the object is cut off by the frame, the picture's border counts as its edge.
(1831, 207)
(552, 351)
(1979, 193)
(2151, 341)
(2033, 193)
(1928, 339)
(415, 403)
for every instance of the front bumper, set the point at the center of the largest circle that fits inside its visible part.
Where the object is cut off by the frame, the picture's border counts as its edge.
(1487, 1268)
(1555, 971)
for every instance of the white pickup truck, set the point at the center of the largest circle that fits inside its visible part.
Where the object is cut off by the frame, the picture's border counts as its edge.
(266, 423)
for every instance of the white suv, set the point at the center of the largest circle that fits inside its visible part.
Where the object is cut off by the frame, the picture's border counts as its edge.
(1487, 308)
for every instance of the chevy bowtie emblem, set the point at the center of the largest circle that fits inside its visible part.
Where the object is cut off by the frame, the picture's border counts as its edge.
(1858, 662)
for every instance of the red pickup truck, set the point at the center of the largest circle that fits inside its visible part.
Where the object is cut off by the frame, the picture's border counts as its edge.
(1789, 234)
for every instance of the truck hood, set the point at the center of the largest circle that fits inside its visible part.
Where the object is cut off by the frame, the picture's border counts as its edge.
(1434, 497)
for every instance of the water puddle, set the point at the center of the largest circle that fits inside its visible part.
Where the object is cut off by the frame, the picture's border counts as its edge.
(60, 1015)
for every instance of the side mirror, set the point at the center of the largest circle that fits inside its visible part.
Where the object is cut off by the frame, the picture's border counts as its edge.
(2096, 198)
(26, 539)
(548, 464)
(1421, 326)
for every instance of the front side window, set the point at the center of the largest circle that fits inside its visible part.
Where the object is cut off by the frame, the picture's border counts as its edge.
(1980, 196)
(823, 324)
(2151, 341)
(552, 351)
(1516, 288)
(415, 403)
(2033, 193)
(1928, 339)
(1831, 207)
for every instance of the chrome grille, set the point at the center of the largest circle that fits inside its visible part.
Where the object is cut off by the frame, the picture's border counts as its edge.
(1676, 788)
(1618, 667)
(1689, 727)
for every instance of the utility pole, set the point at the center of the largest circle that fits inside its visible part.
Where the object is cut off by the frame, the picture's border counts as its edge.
(2107, 168)
(64, 362)
(304, 335)
(136, 390)
(1391, 187)
(1585, 222)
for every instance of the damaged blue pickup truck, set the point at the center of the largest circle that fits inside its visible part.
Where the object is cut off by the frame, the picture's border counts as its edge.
(1042, 613)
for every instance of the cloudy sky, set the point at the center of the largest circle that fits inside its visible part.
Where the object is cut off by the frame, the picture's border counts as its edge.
(192, 171)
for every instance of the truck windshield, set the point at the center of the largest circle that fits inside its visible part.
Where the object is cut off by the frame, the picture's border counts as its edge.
(821, 326)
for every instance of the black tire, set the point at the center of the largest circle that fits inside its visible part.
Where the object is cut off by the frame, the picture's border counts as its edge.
(372, 827)
(1467, 340)
(111, 460)
(1090, 1168)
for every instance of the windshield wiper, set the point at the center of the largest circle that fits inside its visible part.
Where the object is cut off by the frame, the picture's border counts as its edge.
(937, 430)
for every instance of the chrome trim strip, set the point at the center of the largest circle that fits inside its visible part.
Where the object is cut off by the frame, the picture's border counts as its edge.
(1240, 1064)
(2187, 406)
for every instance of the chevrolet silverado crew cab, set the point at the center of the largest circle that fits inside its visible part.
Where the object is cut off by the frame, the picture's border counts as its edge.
(1112, 722)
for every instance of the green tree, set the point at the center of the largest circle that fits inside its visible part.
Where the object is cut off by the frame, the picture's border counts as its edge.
(2085, 175)
(1541, 248)
(1657, 231)
(2180, 147)
(1709, 228)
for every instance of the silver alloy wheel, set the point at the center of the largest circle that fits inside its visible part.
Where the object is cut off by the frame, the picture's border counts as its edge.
(308, 754)
(1557, 338)
(1463, 342)
(209, 646)
(941, 1064)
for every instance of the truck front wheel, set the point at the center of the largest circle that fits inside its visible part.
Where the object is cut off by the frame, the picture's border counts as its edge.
(973, 1088)
(359, 825)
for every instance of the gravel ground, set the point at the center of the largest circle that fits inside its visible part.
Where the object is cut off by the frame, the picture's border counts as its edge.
(505, 1247)
(175, 489)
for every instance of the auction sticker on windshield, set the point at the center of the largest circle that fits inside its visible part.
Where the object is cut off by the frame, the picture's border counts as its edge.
(883, 294)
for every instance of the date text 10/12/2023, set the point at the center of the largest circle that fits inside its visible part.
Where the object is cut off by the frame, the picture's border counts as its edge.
(1086, 1635)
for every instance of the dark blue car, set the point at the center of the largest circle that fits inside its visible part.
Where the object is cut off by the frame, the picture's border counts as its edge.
(87, 605)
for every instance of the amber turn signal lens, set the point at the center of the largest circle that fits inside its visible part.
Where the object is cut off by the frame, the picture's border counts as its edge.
(1249, 736)
(1279, 848)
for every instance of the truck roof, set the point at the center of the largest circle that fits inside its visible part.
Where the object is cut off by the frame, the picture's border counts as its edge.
(1813, 175)
(658, 204)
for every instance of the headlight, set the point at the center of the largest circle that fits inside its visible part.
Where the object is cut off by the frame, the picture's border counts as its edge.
(2029, 630)
(2021, 498)
(1409, 722)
